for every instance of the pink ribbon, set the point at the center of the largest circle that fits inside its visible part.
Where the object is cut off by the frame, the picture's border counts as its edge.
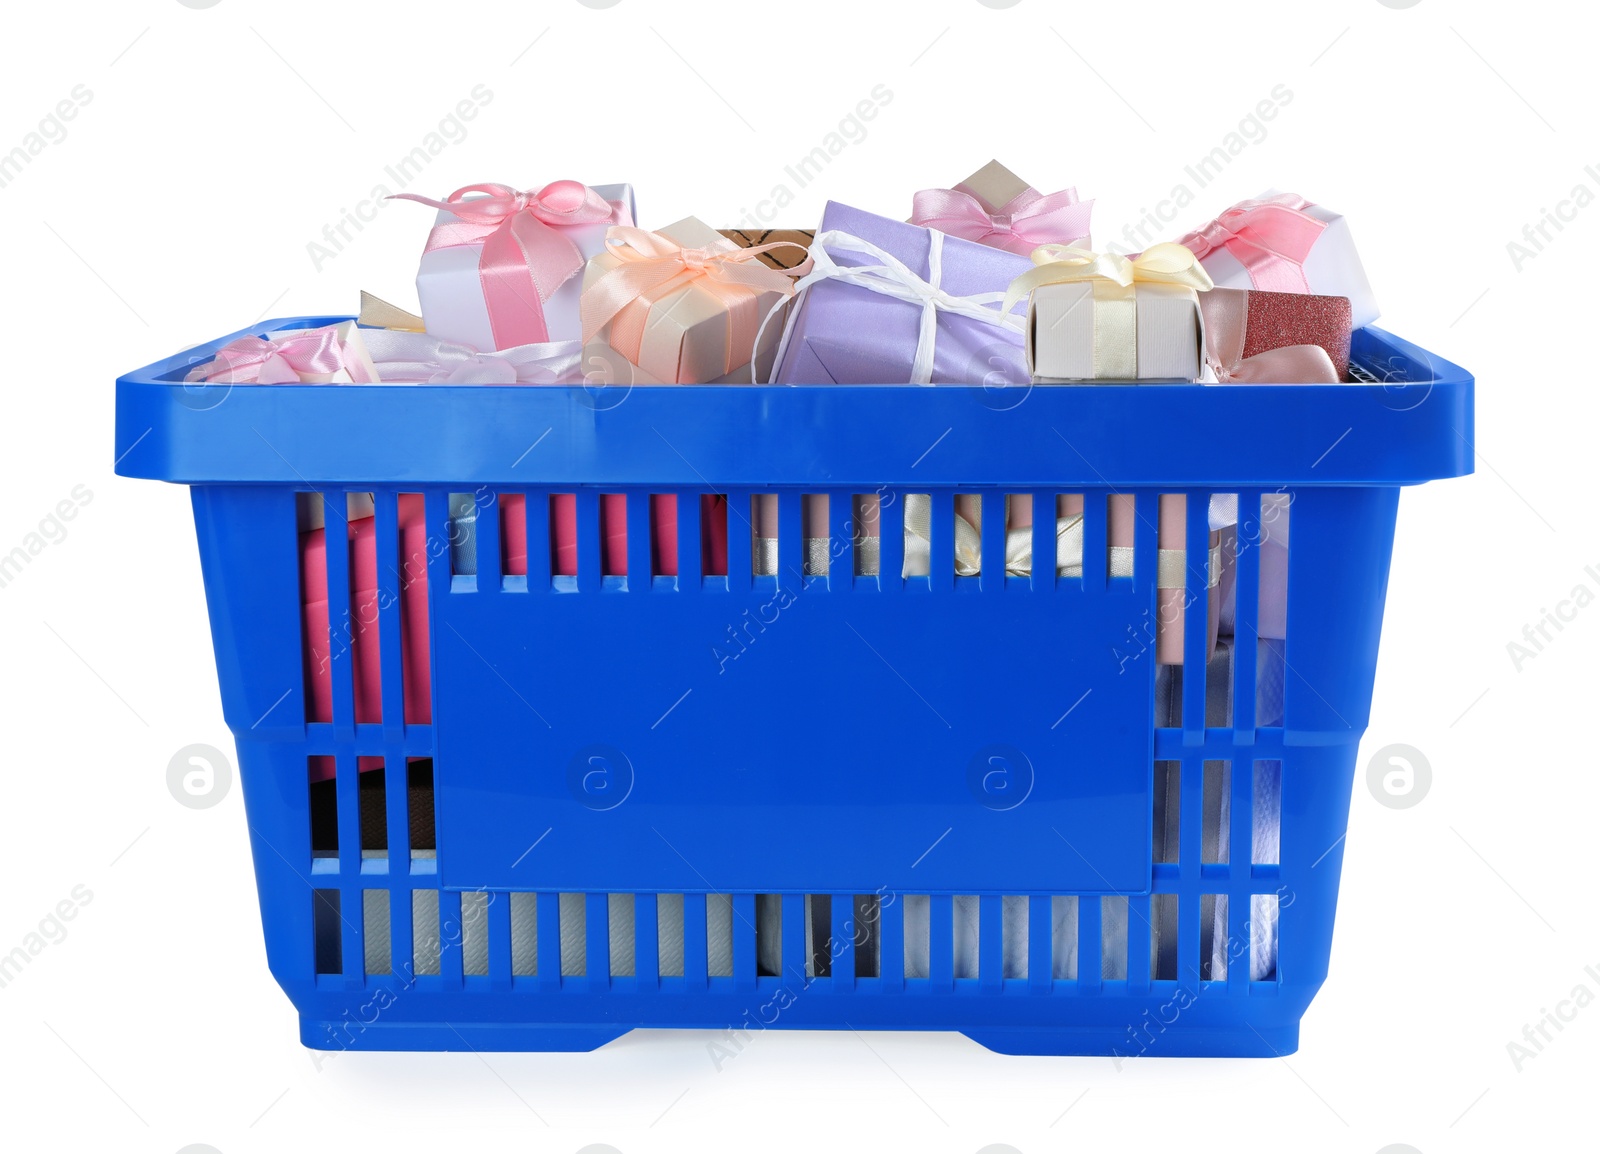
(525, 256)
(1028, 220)
(287, 360)
(1290, 365)
(1271, 237)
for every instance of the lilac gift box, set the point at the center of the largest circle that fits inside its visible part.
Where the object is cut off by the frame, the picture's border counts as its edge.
(847, 334)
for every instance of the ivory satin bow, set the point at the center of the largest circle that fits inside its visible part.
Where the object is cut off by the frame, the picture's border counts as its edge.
(1029, 220)
(651, 267)
(525, 256)
(416, 358)
(1270, 236)
(1227, 322)
(1115, 280)
(892, 278)
(294, 358)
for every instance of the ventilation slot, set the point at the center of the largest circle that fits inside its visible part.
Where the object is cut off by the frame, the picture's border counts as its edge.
(1165, 809)
(374, 813)
(524, 934)
(764, 534)
(426, 940)
(1214, 938)
(1114, 939)
(915, 928)
(1272, 609)
(1217, 787)
(669, 934)
(620, 932)
(819, 936)
(574, 935)
(769, 935)
(419, 799)
(1064, 937)
(1163, 937)
(867, 934)
(818, 539)
(325, 931)
(865, 518)
(324, 809)
(719, 935)
(475, 933)
(375, 931)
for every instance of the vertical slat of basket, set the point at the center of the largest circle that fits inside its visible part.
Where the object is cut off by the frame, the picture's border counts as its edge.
(640, 535)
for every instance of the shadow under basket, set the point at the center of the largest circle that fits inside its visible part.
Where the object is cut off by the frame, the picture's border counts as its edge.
(561, 714)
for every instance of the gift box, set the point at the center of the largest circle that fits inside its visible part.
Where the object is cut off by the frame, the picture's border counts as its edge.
(685, 305)
(1098, 317)
(356, 639)
(996, 207)
(331, 355)
(501, 267)
(1281, 242)
(859, 316)
(1276, 338)
(786, 257)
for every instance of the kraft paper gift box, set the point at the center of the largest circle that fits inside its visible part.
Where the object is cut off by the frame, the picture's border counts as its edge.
(685, 305)
(1281, 242)
(847, 327)
(1103, 318)
(778, 257)
(996, 207)
(1276, 338)
(504, 268)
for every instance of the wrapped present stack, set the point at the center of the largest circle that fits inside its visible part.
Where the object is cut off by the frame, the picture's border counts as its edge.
(989, 282)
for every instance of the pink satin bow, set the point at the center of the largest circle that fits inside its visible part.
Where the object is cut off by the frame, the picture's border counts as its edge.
(285, 361)
(1029, 220)
(525, 256)
(1290, 365)
(1270, 236)
(653, 267)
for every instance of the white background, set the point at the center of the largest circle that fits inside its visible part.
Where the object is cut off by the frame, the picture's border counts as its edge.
(217, 143)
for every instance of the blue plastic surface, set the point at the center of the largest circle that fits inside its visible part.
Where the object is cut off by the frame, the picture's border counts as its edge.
(780, 739)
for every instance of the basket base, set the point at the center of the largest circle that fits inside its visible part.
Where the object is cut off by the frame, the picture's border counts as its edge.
(1083, 1041)
(1114, 1043)
(465, 1037)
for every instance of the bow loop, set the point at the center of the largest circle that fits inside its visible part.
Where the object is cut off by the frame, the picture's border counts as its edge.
(652, 264)
(1064, 264)
(1271, 236)
(1029, 220)
(525, 256)
(290, 358)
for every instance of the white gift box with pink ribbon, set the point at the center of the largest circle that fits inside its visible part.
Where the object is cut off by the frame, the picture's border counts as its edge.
(1281, 242)
(502, 268)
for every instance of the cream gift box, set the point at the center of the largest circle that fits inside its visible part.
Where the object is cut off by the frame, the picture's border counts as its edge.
(1094, 317)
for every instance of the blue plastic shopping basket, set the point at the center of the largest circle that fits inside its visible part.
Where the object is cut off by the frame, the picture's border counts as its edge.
(806, 794)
